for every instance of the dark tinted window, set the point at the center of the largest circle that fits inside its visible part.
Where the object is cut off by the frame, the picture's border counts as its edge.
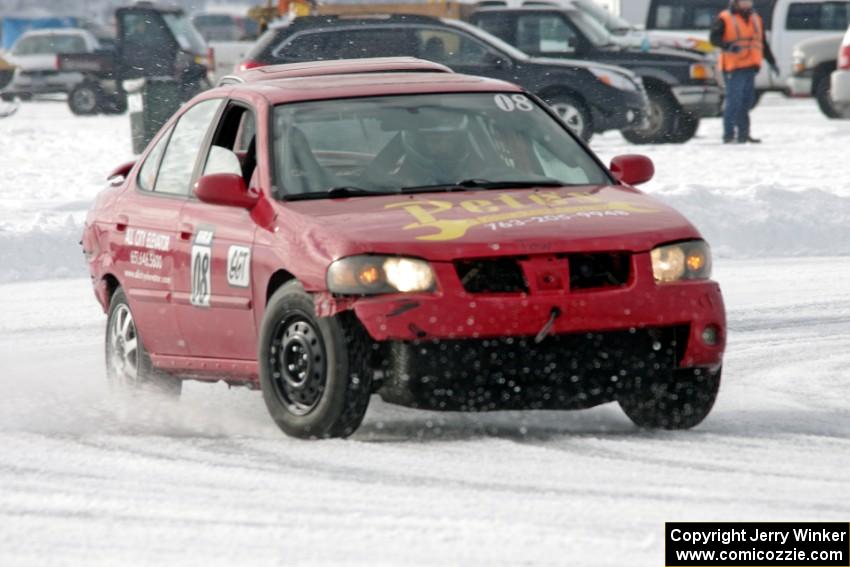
(308, 47)
(449, 47)
(825, 16)
(500, 25)
(336, 44)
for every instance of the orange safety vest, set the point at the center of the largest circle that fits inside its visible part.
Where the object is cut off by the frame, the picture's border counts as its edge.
(748, 36)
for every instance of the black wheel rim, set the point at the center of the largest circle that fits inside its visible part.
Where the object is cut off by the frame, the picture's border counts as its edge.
(298, 364)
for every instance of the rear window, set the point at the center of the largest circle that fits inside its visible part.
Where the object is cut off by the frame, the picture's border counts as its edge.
(50, 44)
(823, 16)
(696, 14)
(354, 44)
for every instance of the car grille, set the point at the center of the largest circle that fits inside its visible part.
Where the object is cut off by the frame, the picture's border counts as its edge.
(595, 271)
(506, 275)
(497, 275)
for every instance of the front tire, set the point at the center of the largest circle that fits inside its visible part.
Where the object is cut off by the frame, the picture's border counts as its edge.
(679, 399)
(823, 94)
(128, 365)
(660, 121)
(574, 113)
(314, 372)
(686, 128)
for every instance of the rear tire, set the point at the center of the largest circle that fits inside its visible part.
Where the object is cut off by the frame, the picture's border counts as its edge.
(314, 372)
(128, 365)
(85, 99)
(823, 94)
(681, 401)
(574, 113)
(661, 121)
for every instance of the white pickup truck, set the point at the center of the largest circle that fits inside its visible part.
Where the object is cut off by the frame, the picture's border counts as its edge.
(787, 22)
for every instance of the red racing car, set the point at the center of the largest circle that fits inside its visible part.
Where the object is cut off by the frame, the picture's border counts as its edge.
(332, 230)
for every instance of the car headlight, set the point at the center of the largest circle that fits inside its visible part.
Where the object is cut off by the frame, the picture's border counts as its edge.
(615, 80)
(682, 261)
(372, 275)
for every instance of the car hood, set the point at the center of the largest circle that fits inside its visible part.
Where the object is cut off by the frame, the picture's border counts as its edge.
(447, 226)
(575, 63)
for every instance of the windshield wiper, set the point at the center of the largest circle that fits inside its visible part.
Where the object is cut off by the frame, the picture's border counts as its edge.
(335, 193)
(468, 184)
(487, 184)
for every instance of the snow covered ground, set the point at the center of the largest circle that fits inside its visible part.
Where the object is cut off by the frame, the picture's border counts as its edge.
(86, 479)
(211, 481)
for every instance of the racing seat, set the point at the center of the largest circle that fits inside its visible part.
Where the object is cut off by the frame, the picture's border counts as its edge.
(302, 172)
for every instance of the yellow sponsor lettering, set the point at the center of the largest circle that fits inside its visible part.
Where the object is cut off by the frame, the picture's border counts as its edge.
(479, 206)
(430, 219)
(420, 211)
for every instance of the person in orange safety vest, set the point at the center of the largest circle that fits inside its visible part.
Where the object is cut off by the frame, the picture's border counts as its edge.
(739, 33)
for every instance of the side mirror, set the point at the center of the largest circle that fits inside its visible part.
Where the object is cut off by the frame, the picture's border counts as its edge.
(227, 189)
(120, 173)
(632, 169)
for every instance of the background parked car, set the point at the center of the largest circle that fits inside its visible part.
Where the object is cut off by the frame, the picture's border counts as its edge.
(787, 22)
(35, 56)
(680, 84)
(841, 77)
(612, 18)
(218, 26)
(814, 61)
(152, 42)
(589, 97)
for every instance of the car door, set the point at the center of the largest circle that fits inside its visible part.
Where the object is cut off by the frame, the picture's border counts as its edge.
(214, 286)
(143, 238)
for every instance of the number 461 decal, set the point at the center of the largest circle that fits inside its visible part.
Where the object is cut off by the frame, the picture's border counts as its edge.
(202, 269)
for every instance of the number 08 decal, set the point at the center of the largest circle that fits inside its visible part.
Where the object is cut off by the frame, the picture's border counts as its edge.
(202, 269)
(513, 102)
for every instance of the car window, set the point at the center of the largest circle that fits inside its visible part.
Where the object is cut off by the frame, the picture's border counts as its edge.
(545, 33)
(142, 32)
(178, 163)
(233, 148)
(147, 174)
(822, 16)
(500, 25)
(185, 33)
(696, 14)
(382, 144)
(313, 46)
(50, 44)
(450, 48)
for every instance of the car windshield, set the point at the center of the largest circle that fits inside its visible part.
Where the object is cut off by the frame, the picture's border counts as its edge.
(185, 33)
(595, 31)
(385, 145)
(612, 23)
(50, 44)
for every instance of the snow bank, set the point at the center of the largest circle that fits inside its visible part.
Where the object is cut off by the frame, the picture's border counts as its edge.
(789, 196)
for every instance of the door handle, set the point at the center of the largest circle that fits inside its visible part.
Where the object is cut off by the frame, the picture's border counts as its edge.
(186, 231)
(121, 223)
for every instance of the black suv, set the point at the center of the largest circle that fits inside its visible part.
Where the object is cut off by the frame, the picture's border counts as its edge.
(680, 84)
(589, 97)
